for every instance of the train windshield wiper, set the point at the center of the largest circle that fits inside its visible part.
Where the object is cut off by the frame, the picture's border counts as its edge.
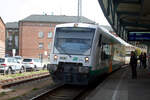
(65, 51)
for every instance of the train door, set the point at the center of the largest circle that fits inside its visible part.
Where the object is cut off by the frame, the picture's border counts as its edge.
(97, 54)
(99, 47)
(105, 55)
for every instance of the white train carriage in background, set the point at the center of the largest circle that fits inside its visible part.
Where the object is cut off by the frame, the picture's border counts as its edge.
(82, 52)
(128, 48)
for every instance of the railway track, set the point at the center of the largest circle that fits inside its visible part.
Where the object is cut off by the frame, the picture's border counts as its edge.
(61, 92)
(70, 92)
(19, 80)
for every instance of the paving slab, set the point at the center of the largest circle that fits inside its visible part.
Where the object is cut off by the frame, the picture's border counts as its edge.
(120, 86)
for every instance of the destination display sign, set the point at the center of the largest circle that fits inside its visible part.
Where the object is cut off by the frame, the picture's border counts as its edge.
(139, 36)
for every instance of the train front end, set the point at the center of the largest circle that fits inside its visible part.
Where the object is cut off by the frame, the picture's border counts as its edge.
(71, 54)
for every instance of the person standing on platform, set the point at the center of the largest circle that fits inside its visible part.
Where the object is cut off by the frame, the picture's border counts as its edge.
(148, 61)
(133, 64)
(141, 60)
(144, 60)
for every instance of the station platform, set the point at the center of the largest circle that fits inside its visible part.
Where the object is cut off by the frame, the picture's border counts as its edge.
(120, 86)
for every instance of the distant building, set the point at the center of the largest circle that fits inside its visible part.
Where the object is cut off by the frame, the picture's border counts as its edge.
(36, 32)
(2, 38)
(12, 38)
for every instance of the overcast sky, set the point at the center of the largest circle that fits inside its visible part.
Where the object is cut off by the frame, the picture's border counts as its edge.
(15, 10)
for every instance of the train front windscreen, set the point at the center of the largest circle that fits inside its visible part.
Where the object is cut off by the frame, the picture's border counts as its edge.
(73, 40)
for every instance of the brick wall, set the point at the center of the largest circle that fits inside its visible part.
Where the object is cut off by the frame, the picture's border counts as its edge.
(2, 30)
(29, 38)
(2, 38)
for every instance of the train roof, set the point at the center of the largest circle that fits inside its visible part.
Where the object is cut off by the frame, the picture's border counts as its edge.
(123, 42)
(112, 38)
(77, 25)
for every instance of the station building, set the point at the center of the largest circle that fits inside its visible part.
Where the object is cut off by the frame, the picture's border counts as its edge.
(36, 33)
(2, 38)
(12, 38)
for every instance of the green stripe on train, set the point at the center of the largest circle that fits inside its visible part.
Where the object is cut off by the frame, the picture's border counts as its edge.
(103, 70)
(98, 72)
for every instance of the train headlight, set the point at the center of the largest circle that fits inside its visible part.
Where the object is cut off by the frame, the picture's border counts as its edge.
(86, 59)
(55, 57)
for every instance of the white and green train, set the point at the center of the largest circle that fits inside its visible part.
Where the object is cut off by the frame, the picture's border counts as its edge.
(82, 52)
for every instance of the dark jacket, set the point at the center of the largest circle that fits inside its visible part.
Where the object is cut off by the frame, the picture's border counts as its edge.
(133, 60)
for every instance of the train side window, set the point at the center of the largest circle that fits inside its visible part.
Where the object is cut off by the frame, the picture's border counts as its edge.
(106, 51)
(100, 40)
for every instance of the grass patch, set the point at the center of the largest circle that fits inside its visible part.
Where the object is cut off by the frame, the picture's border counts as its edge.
(2, 94)
(34, 89)
(11, 76)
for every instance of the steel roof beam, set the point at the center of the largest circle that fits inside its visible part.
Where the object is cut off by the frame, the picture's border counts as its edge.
(127, 13)
(124, 23)
(129, 1)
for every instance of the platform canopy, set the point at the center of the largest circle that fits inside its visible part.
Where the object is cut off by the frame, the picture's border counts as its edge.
(127, 16)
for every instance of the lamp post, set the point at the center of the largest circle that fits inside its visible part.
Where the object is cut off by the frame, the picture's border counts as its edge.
(79, 10)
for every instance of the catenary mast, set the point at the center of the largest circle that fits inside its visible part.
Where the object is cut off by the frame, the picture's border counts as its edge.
(79, 10)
